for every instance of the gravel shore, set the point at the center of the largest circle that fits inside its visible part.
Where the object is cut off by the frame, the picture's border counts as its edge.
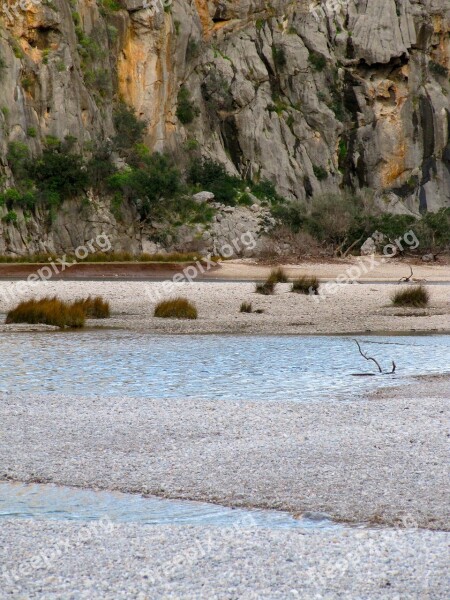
(380, 461)
(373, 460)
(350, 308)
(55, 561)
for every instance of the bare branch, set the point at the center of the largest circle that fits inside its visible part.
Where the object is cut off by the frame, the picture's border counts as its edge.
(407, 279)
(368, 357)
(350, 248)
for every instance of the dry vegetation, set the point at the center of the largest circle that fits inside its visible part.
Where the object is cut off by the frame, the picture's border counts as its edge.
(176, 308)
(52, 311)
(306, 285)
(416, 297)
(107, 257)
(267, 288)
(94, 308)
(246, 307)
(48, 311)
(278, 275)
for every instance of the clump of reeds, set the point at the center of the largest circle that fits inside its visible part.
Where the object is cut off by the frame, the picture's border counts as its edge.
(47, 311)
(278, 275)
(94, 308)
(417, 297)
(176, 308)
(306, 285)
(267, 288)
(246, 307)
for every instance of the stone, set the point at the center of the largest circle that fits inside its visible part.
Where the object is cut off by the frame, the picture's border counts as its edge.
(428, 258)
(201, 197)
(369, 247)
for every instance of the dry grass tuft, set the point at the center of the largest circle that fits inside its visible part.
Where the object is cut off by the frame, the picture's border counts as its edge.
(306, 285)
(246, 307)
(94, 308)
(278, 275)
(176, 308)
(417, 297)
(47, 311)
(267, 288)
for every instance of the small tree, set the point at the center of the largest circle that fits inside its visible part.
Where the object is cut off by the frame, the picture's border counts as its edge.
(129, 129)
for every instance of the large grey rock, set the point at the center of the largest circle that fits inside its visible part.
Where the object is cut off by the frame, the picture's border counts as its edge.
(203, 197)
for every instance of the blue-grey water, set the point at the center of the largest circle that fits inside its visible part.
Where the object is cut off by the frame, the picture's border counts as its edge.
(120, 363)
(46, 501)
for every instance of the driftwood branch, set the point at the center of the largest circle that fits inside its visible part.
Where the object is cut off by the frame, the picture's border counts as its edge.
(367, 357)
(394, 366)
(407, 279)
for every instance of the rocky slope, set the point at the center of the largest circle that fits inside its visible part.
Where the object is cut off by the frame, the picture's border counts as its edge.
(312, 95)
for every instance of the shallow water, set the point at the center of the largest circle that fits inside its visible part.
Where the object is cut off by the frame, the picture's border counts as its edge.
(120, 363)
(46, 501)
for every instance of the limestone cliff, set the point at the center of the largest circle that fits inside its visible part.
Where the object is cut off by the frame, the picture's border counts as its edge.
(313, 95)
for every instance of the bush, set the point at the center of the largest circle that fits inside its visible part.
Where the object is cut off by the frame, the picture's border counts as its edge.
(26, 200)
(306, 285)
(100, 167)
(214, 178)
(318, 61)
(178, 308)
(417, 297)
(3, 66)
(48, 311)
(266, 288)
(18, 155)
(246, 307)
(433, 230)
(320, 173)
(94, 308)
(278, 275)
(59, 173)
(10, 217)
(186, 111)
(154, 177)
(265, 190)
(129, 129)
(279, 56)
(438, 69)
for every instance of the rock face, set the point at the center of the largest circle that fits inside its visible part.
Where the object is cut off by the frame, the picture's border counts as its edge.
(312, 95)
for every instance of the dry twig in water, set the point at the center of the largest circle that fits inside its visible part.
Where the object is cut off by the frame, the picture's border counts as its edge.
(394, 366)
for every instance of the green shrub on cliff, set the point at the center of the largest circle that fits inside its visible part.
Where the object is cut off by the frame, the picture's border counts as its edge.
(186, 110)
(153, 178)
(59, 173)
(129, 129)
(213, 177)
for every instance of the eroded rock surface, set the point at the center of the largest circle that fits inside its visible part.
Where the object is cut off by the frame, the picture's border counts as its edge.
(311, 95)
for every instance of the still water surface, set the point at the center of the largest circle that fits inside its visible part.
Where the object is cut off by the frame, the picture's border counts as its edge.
(46, 501)
(120, 363)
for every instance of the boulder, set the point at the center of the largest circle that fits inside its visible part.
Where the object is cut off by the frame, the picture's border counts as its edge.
(203, 197)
